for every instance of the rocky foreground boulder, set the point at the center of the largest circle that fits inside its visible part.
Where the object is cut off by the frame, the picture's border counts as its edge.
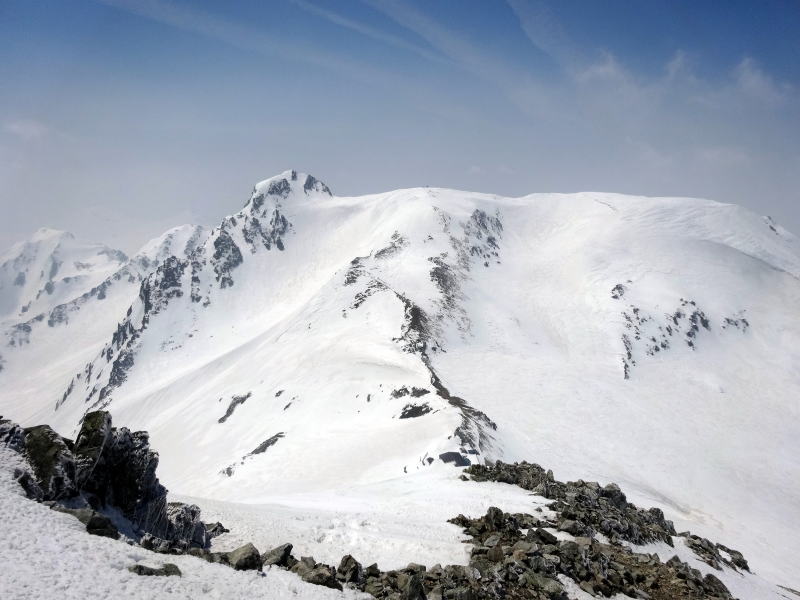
(104, 468)
(585, 508)
(531, 556)
(167, 570)
(108, 471)
(513, 554)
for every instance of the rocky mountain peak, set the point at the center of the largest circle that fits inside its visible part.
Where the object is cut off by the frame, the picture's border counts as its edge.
(288, 183)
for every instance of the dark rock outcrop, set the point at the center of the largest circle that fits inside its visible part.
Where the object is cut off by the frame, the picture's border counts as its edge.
(215, 529)
(235, 401)
(513, 556)
(278, 556)
(458, 460)
(166, 570)
(226, 258)
(715, 555)
(245, 558)
(105, 469)
(260, 449)
(412, 411)
(311, 571)
(516, 556)
(350, 570)
(52, 461)
(516, 565)
(28, 484)
(584, 507)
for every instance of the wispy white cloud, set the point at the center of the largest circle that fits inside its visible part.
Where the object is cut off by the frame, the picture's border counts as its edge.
(659, 124)
(469, 110)
(463, 52)
(412, 90)
(545, 32)
(26, 129)
(515, 83)
(678, 65)
(606, 69)
(245, 37)
(723, 156)
(757, 84)
(368, 31)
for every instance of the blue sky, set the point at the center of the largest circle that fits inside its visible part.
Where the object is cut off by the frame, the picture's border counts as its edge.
(121, 118)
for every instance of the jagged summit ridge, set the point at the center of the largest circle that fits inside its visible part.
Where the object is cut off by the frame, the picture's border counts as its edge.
(208, 263)
(288, 183)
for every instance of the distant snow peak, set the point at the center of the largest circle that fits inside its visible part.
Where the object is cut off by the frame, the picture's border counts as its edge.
(205, 262)
(46, 233)
(47, 270)
(178, 241)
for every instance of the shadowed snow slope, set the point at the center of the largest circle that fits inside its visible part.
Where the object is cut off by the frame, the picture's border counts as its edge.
(312, 342)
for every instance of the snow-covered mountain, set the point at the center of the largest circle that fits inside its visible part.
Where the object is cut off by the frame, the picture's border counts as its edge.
(49, 269)
(61, 298)
(312, 343)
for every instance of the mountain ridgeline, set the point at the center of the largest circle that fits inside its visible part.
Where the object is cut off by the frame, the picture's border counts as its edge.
(372, 337)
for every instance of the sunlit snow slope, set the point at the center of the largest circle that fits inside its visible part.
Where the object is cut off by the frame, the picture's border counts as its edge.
(61, 299)
(312, 342)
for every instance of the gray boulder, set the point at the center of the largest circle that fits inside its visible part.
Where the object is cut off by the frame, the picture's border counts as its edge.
(215, 529)
(156, 544)
(53, 465)
(29, 484)
(12, 435)
(323, 575)
(350, 570)
(278, 556)
(185, 525)
(543, 536)
(245, 558)
(548, 585)
(166, 570)
(413, 590)
(96, 523)
(311, 571)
